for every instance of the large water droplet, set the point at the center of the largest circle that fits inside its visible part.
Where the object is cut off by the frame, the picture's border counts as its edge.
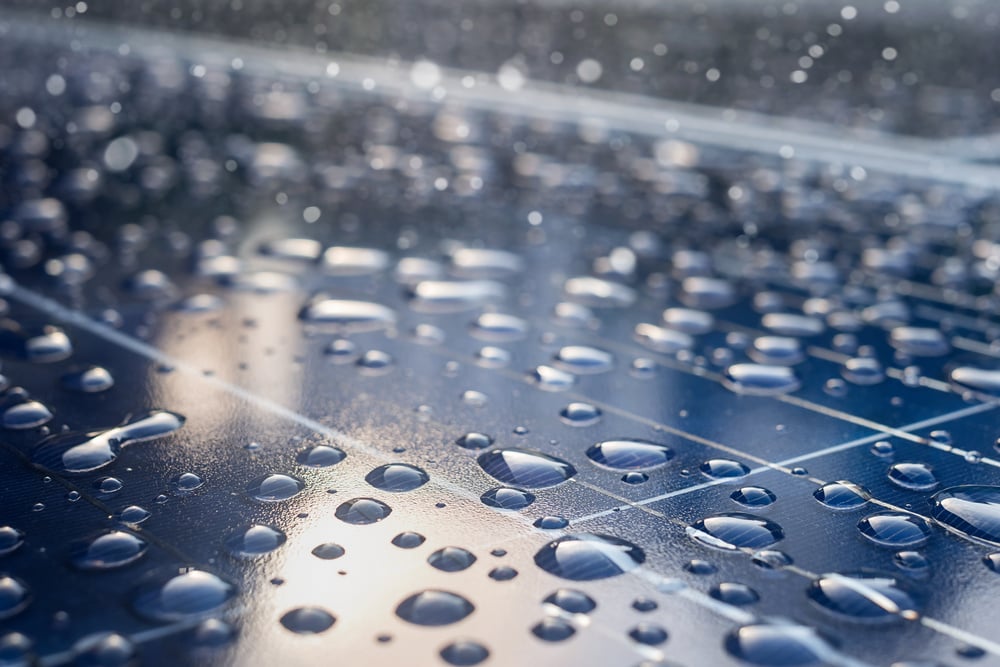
(451, 559)
(895, 530)
(308, 620)
(397, 477)
(15, 596)
(363, 511)
(971, 511)
(760, 379)
(11, 539)
(254, 541)
(777, 645)
(76, 452)
(588, 556)
(525, 468)
(735, 530)
(629, 454)
(275, 487)
(507, 498)
(20, 414)
(583, 359)
(408, 540)
(191, 593)
(913, 476)
(842, 495)
(434, 608)
(110, 550)
(345, 316)
(863, 597)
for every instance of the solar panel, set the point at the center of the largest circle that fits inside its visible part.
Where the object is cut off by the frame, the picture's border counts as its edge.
(302, 367)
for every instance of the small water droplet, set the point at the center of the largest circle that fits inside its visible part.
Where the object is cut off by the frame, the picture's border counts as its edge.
(736, 594)
(11, 540)
(328, 551)
(321, 456)
(308, 620)
(434, 608)
(363, 511)
(275, 487)
(842, 495)
(503, 573)
(507, 498)
(408, 540)
(186, 483)
(723, 469)
(254, 541)
(553, 630)
(90, 380)
(760, 379)
(583, 359)
(15, 596)
(397, 477)
(464, 653)
(648, 634)
(753, 496)
(551, 522)
(473, 440)
(777, 645)
(451, 559)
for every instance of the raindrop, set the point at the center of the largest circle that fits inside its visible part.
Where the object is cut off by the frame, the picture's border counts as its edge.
(321, 456)
(485, 263)
(474, 440)
(507, 498)
(21, 414)
(662, 339)
(580, 414)
(134, 515)
(760, 380)
(895, 530)
(863, 597)
(107, 551)
(648, 634)
(464, 653)
(971, 511)
(447, 296)
(341, 351)
(254, 541)
(190, 593)
(571, 601)
(434, 608)
(525, 468)
(842, 495)
(699, 567)
(493, 357)
(498, 328)
(913, 563)
(553, 630)
(503, 573)
(776, 350)
(275, 487)
(753, 496)
(863, 371)
(104, 649)
(11, 540)
(308, 620)
(551, 522)
(583, 359)
(15, 596)
(214, 632)
(90, 380)
(708, 293)
(77, 452)
(108, 485)
(736, 594)
(549, 378)
(919, 341)
(451, 559)
(397, 477)
(980, 381)
(328, 551)
(185, 483)
(777, 645)
(375, 362)
(346, 261)
(688, 320)
(723, 469)
(363, 511)
(790, 324)
(598, 293)
(408, 540)
(629, 454)
(735, 530)
(588, 556)
(347, 316)
(913, 476)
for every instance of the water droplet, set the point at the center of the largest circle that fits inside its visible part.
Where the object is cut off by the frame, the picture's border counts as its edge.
(341, 351)
(580, 414)
(106, 486)
(753, 496)
(704, 292)
(503, 573)
(776, 350)
(912, 563)
(723, 469)
(971, 511)
(375, 362)
(688, 320)
(913, 476)
(736, 594)
(107, 551)
(485, 263)
(90, 380)
(434, 608)
(981, 381)
(498, 328)
(842, 495)
(11, 540)
(15, 596)
(449, 296)
(408, 540)
(992, 561)
(77, 452)
(428, 334)
(553, 630)
(584, 360)
(321, 456)
(308, 620)
(790, 324)
(275, 487)
(190, 593)
(662, 339)
(895, 530)
(104, 649)
(863, 597)
(525, 468)
(760, 380)
(571, 601)
(254, 541)
(186, 483)
(735, 530)
(549, 378)
(474, 440)
(588, 556)
(644, 605)
(699, 567)
(16, 650)
(574, 315)
(292, 248)
(493, 357)
(507, 498)
(397, 477)
(648, 634)
(328, 551)
(51, 346)
(863, 371)
(133, 515)
(475, 399)
(347, 261)
(598, 293)
(345, 316)
(213, 632)
(777, 645)
(629, 454)
(451, 559)
(635, 477)
(464, 653)
(20, 414)
(551, 522)
(919, 341)
(883, 449)
(363, 511)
